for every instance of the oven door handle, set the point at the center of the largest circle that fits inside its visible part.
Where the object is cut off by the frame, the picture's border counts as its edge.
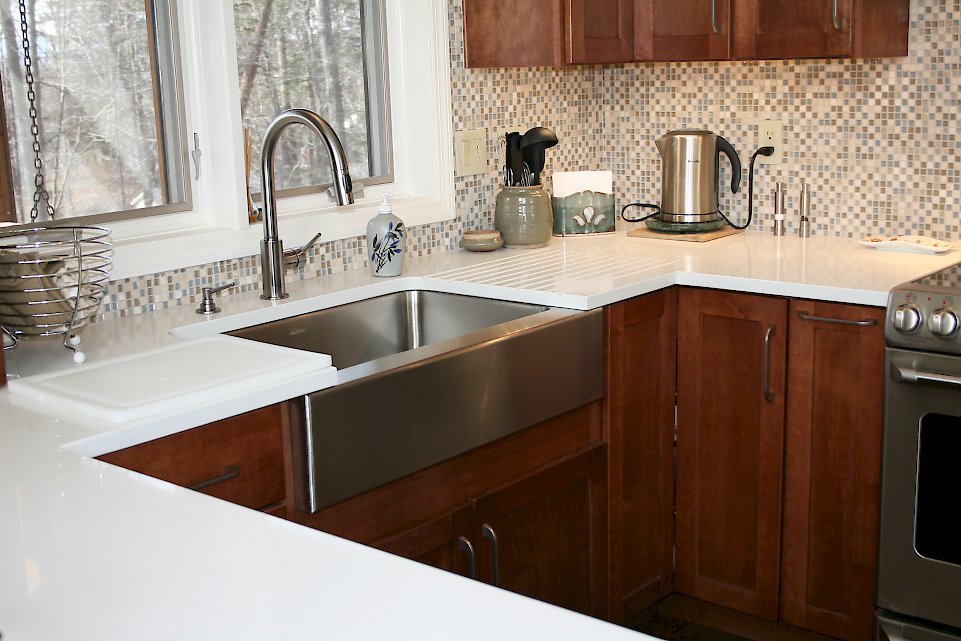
(911, 375)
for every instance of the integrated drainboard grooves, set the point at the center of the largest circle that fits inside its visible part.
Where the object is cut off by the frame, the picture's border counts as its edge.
(549, 271)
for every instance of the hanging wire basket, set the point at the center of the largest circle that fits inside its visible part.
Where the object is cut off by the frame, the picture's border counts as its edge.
(52, 280)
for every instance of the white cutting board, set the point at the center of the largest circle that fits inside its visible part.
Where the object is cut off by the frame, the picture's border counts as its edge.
(172, 378)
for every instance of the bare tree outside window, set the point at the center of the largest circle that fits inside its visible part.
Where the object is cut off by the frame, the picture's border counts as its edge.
(108, 134)
(323, 55)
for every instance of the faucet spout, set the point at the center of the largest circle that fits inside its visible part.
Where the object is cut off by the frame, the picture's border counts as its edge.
(271, 247)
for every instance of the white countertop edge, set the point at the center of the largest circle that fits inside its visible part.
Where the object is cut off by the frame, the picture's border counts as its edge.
(785, 289)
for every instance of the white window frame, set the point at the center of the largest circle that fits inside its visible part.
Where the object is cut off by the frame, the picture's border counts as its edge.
(216, 228)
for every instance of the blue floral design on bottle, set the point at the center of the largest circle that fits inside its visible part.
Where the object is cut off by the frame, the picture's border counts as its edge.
(385, 250)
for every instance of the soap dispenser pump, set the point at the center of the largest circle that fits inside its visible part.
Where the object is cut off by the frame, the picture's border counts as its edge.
(386, 240)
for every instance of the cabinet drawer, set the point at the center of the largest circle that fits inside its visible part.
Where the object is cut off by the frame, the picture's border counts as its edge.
(239, 459)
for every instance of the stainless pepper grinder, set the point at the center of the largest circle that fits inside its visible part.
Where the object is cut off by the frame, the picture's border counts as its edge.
(804, 228)
(779, 228)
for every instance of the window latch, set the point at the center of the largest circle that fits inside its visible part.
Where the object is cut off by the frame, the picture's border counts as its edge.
(196, 156)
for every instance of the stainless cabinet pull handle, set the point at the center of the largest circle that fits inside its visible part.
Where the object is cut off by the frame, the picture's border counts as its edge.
(836, 16)
(867, 322)
(491, 536)
(465, 545)
(768, 392)
(910, 375)
(230, 472)
(714, 24)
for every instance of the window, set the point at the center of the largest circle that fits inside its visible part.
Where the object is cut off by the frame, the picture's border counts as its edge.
(328, 56)
(108, 108)
(216, 41)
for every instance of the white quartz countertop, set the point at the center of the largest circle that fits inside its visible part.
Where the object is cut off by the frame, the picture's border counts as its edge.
(90, 551)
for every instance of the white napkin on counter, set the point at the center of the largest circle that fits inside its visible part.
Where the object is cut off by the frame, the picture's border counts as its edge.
(573, 182)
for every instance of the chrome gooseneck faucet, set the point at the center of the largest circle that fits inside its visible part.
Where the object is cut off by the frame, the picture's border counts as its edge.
(272, 261)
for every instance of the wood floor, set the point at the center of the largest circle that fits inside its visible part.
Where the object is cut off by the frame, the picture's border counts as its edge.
(681, 618)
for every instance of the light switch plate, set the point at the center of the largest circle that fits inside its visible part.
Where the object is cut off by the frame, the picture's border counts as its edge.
(470, 152)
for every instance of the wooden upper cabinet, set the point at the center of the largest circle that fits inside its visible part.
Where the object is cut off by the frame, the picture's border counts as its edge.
(601, 31)
(514, 33)
(730, 443)
(833, 468)
(682, 29)
(820, 28)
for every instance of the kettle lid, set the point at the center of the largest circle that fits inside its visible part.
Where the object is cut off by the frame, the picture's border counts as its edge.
(670, 136)
(674, 133)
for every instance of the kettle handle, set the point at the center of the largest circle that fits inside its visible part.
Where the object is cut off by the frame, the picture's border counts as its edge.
(725, 146)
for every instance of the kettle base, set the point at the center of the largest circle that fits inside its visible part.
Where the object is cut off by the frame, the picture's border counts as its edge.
(655, 224)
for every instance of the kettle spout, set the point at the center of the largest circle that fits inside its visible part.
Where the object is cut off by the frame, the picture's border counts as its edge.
(661, 143)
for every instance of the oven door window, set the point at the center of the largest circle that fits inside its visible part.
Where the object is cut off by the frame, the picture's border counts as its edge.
(937, 533)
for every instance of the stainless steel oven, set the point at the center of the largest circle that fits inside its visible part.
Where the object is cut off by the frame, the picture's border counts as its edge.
(919, 579)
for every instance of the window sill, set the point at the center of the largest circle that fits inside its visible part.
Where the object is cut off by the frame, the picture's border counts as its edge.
(138, 254)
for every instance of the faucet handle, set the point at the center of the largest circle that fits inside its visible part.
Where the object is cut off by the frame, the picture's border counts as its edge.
(207, 305)
(292, 257)
(356, 189)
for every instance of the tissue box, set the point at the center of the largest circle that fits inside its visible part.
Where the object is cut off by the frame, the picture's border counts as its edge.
(586, 212)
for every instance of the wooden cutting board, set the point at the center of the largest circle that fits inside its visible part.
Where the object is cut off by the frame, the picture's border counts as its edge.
(691, 238)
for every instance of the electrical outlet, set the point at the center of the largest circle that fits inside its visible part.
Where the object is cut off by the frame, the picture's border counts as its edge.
(470, 152)
(770, 133)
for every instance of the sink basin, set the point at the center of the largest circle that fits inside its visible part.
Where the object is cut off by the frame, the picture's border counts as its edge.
(370, 330)
(426, 376)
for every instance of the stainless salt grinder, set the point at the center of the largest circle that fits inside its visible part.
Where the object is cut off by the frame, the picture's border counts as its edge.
(779, 210)
(804, 228)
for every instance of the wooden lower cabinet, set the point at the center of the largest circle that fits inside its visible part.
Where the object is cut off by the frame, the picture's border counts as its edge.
(239, 459)
(641, 349)
(543, 535)
(730, 440)
(778, 487)
(442, 543)
(833, 468)
(541, 493)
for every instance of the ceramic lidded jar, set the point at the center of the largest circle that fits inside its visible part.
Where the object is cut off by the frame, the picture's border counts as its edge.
(524, 217)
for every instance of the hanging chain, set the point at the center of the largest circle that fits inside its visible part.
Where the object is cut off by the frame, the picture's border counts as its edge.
(40, 193)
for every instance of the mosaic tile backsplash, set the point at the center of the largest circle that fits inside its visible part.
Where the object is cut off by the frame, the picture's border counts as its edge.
(878, 140)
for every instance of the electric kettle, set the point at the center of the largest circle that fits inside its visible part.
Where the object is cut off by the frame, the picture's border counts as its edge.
(689, 177)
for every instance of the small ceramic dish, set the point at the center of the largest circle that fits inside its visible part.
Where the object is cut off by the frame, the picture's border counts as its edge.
(481, 240)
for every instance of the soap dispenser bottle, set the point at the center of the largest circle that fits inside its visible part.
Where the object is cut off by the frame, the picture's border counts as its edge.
(386, 241)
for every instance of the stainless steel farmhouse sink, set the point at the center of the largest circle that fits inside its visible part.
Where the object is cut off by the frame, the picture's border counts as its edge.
(425, 376)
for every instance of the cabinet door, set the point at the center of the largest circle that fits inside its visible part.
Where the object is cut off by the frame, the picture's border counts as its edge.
(545, 536)
(682, 30)
(641, 348)
(792, 29)
(239, 459)
(442, 543)
(832, 486)
(730, 395)
(820, 28)
(601, 30)
(514, 33)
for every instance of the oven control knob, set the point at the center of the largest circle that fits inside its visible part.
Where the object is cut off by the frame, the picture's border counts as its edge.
(907, 318)
(944, 323)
